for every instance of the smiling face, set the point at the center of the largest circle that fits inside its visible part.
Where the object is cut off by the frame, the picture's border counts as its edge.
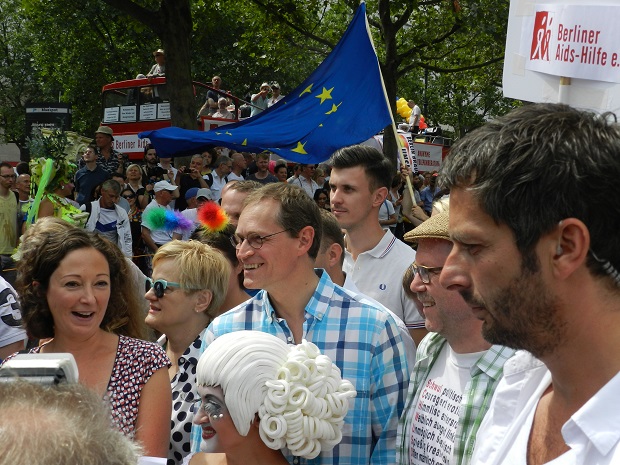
(78, 293)
(270, 266)
(175, 308)
(505, 289)
(219, 434)
(445, 311)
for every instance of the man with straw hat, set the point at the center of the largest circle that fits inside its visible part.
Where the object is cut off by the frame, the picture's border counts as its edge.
(456, 370)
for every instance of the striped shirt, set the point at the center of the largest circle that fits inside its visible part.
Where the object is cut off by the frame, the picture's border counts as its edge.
(485, 374)
(364, 342)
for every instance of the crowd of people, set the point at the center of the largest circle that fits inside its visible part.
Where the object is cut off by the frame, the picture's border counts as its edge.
(303, 314)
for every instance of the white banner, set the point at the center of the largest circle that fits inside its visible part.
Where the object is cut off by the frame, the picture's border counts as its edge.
(574, 41)
(543, 38)
(424, 156)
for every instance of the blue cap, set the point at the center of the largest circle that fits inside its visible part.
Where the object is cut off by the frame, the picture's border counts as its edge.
(191, 192)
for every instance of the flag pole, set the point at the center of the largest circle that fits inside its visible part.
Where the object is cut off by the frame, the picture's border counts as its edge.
(387, 102)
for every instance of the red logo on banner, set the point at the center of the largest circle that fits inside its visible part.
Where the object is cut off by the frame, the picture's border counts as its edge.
(541, 36)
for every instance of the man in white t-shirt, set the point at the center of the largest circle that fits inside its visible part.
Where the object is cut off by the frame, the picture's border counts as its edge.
(414, 119)
(109, 219)
(375, 260)
(156, 238)
(238, 167)
(456, 370)
(534, 218)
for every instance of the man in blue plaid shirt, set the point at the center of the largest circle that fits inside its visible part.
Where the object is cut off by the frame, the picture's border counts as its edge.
(456, 370)
(277, 240)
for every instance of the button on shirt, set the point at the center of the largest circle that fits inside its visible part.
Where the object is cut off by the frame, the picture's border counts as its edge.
(183, 386)
(373, 359)
(378, 273)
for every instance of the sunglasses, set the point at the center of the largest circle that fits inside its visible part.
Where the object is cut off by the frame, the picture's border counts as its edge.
(129, 196)
(160, 285)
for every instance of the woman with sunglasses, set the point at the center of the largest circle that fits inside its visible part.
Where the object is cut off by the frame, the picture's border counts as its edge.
(259, 395)
(74, 291)
(189, 284)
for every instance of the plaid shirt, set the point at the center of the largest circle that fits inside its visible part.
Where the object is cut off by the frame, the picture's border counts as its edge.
(485, 374)
(364, 342)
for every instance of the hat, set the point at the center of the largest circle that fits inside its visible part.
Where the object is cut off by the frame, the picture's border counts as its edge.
(191, 192)
(275, 85)
(105, 130)
(204, 192)
(436, 227)
(164, 185)
(159, 51)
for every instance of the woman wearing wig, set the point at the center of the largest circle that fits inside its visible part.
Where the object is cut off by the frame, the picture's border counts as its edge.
(74, 289)
(259, 395)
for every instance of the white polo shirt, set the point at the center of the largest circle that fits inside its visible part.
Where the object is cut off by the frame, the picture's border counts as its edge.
(378, 273)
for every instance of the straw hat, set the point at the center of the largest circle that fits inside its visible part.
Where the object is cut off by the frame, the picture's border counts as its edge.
(436, 227)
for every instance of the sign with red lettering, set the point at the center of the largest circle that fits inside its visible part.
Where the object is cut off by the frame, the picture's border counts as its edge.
(564, 51)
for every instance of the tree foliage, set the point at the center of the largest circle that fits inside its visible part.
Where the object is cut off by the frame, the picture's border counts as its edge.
(68, 49)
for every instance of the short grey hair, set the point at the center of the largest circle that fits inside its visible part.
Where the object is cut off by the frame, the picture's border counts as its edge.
(67, 424)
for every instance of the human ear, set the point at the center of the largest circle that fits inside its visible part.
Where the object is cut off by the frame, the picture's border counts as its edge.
(569, 247)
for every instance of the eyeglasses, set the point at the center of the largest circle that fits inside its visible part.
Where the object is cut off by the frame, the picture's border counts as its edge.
(160, 286)
(424, 272)
(255, 241)
(129, 196)
(8, 176)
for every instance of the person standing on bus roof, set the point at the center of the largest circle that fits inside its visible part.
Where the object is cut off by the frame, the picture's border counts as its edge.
(159, 68)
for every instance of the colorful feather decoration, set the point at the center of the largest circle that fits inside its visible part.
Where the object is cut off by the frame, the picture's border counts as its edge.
(157, 219)
(213, 217)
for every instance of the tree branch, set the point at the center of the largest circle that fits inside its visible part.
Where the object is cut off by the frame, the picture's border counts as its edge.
(281, 18)
(150, 18)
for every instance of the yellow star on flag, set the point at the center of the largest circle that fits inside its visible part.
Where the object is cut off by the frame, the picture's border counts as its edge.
(228, 133)
(307, 90)
(300, 148)
(334, 108)
(325, 95)
(245, 142)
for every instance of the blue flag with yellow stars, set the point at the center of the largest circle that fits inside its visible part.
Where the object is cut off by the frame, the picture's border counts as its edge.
(342, 103)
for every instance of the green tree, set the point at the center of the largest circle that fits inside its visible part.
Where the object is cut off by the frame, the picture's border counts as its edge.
(18, 83)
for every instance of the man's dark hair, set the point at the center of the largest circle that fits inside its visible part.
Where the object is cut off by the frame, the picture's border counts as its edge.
(379, 170)
(538, 165)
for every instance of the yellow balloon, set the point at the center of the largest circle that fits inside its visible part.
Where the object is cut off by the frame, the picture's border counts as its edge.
(408, 113)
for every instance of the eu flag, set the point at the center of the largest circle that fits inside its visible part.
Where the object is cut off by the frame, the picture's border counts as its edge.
(342, 103)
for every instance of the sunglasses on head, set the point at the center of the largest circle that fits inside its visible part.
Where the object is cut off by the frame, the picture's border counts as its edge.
(160, 285)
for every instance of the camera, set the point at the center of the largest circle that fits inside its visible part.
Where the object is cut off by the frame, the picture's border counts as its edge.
(44, 369)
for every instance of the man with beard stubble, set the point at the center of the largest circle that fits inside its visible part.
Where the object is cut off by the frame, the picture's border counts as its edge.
(534, 209)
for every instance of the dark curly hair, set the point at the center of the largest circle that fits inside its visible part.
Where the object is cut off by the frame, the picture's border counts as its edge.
(44, 246)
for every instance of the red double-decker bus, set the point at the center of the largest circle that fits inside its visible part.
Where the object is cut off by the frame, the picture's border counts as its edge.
(130, 107)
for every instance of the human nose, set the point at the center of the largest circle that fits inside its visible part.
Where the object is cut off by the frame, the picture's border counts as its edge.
(200, 417)
(455, 275)
(88, 295)
(244, 250)
(150, 294)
